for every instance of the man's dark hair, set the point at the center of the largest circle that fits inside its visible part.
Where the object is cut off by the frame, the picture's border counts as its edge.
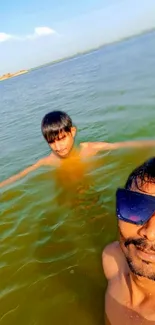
(54, 123)
(143, 174)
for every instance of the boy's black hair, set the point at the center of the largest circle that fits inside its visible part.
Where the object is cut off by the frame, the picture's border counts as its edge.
(143, 174)
(54, 123)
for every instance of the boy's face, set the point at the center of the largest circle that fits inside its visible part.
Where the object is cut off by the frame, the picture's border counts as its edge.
(63, 144)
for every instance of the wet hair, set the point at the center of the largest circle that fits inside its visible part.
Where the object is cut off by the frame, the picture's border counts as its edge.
(54, 123)
(143, 174)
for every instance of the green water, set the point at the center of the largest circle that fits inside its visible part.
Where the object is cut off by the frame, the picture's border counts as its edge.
(54, 227)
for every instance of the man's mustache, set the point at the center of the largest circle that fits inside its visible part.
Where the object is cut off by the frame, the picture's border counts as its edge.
(139, 243)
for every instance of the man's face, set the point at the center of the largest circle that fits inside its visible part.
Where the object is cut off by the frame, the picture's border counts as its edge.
(138, 241)
(62, 145)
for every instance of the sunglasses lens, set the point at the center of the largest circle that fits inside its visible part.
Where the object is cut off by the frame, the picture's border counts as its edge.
(134, 207)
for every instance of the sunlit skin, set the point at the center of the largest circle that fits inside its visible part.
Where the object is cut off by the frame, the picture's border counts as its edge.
(62, 146)
(129, 266)
(64, 153)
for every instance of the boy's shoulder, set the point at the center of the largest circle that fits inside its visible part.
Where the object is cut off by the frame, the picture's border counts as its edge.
(49, 160)
(95, 147)
(87, 148)
(86, 144)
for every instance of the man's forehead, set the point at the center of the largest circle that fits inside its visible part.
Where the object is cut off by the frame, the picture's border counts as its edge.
(146, 187)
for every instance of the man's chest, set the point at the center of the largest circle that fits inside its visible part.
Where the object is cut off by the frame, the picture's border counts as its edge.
(119, 313)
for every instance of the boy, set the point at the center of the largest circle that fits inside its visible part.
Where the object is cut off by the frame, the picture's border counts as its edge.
(59, 132)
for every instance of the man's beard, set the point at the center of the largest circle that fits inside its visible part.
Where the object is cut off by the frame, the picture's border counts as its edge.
(135, 269)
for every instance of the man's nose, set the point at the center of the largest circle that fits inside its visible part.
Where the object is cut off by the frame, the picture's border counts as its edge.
(148, 230)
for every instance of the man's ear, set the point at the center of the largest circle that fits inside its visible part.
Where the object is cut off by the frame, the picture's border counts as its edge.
(73, 131)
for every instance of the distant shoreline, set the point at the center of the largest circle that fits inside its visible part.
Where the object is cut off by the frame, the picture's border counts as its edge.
(11, 75)
(91, 50)
(78, 54)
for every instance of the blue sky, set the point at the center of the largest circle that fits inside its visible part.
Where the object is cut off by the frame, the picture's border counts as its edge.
(34, 32)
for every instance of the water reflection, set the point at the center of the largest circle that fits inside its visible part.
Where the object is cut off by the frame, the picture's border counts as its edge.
(70, 244)
(52, 236)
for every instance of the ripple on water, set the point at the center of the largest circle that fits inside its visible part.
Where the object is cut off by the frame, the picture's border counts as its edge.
(51, 233)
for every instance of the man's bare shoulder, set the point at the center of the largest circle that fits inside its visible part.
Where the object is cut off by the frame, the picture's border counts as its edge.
(113, 260)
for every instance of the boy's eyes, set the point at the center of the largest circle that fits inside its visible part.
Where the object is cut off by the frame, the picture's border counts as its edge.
(64, 136)
(59, 139)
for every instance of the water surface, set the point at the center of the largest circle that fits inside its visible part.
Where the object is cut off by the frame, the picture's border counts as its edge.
(52, 233)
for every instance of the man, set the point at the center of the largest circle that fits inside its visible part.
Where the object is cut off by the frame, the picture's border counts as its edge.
(59, 132)
(129, 265)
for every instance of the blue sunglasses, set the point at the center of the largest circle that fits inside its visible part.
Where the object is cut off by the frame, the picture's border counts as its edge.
(134, 207)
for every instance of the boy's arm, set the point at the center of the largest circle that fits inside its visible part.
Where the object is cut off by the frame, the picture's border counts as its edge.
(39, 163)
(99, 146)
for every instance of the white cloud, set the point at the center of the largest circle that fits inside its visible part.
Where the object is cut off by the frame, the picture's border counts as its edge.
(41, 31)
(38, 32)
(4, 37)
